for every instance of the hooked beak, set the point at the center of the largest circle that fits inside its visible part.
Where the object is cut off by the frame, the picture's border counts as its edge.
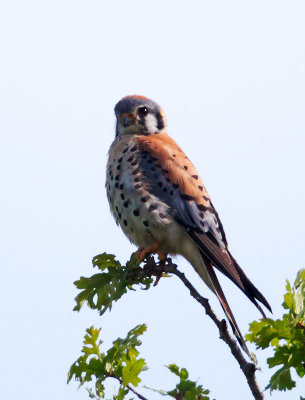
(127, 120)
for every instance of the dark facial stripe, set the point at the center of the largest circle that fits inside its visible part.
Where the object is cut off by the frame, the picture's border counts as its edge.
(160, 122)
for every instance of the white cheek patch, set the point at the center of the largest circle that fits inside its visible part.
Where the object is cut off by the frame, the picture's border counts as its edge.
(151, 123)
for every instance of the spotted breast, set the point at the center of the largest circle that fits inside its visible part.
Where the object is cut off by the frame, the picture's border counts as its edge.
(141, 215)
(142, 179)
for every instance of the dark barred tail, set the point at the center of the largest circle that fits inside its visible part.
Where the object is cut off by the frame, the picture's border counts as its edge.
(250, 290)
(223, 301)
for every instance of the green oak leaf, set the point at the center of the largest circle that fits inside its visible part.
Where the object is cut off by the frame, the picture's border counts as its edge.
(281, 380)
(131, 371)
(103, 261)
(121, 362)
(285, 336)
(186, 389)
(102, 289)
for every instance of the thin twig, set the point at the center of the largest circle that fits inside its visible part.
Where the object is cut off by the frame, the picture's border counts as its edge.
(129, 387)
(152, 268)
(136, 393)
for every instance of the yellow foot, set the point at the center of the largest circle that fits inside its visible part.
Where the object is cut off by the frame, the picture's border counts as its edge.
(153, 249)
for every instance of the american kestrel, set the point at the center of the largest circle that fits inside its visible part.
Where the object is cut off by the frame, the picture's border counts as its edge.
(157, 197)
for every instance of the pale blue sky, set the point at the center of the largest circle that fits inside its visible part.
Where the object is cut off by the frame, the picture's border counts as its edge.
(231, 79)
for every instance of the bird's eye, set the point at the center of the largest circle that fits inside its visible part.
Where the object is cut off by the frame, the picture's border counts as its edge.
(143, 110)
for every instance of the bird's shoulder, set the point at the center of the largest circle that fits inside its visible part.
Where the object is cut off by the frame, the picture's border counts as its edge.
(190, 198)
(176, 165)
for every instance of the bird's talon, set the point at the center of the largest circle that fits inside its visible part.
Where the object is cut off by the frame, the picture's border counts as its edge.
(153, 249)
(162, 257)
(157, 280)
(138, 255)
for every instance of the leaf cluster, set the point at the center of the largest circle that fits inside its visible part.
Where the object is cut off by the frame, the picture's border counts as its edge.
(121, 362)
(100, 290)
(286, 336)
(186, 389)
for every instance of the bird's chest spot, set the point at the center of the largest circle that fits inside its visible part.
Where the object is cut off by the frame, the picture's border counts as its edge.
(139, 213)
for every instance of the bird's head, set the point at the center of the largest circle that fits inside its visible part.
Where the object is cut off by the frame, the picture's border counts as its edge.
(138, 115)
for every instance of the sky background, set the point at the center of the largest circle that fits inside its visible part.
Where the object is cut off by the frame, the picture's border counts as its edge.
(231, 79)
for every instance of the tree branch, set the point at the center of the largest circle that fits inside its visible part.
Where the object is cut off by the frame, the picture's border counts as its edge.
(151, 268)
(136, 393)
(128, 387)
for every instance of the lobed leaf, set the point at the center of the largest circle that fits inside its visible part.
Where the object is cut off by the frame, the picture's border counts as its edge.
(100, 290)
(120, 362)
(186, 389)
(286, 336)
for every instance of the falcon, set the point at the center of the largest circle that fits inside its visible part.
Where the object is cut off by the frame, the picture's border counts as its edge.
(157, 197)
